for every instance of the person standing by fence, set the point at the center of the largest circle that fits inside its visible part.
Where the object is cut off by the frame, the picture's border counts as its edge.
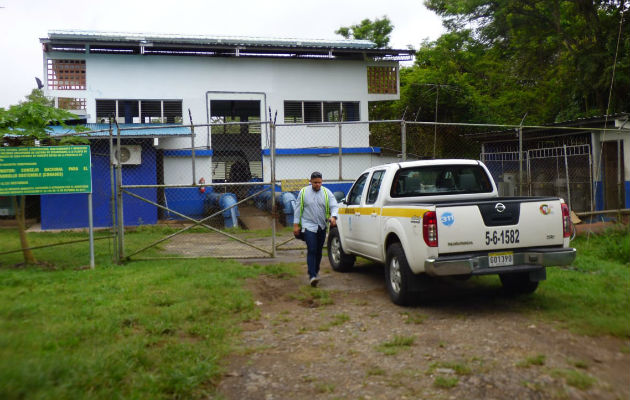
(316, 207)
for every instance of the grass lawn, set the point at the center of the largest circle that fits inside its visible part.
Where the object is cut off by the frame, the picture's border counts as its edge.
(143, 330)
(590, 297)
(159, 329)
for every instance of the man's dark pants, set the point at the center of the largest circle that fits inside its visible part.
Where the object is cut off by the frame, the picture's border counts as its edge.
(314, 244)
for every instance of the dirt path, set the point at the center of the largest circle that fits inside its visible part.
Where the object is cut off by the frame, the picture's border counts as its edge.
(348, 341)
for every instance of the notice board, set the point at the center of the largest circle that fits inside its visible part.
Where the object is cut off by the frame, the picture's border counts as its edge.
(45, 170)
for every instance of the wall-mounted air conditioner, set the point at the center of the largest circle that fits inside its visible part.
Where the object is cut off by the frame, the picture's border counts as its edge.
(129, 155)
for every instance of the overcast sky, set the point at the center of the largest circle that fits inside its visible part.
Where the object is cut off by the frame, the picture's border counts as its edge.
(23, 22)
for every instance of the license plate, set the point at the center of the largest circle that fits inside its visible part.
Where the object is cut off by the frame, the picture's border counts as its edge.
(501, 259)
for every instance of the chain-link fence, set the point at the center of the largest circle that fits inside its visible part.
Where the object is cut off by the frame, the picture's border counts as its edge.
(205, 188)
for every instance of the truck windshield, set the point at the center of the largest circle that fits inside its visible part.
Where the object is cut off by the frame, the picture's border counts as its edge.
(440, 179)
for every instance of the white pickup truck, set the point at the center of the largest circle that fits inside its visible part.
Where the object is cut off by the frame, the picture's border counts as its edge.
(445, 218)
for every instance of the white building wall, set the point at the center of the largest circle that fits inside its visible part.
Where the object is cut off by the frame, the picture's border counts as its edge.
(178, 170)
(195, 80)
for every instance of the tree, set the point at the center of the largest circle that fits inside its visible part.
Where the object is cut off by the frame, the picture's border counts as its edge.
(559, 54)
(377, 31)
(23, 124)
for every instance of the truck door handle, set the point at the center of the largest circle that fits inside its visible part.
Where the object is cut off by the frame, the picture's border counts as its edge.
(358, 214)
(374, 214)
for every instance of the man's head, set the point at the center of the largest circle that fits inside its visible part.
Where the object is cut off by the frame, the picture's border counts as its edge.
(316, 181)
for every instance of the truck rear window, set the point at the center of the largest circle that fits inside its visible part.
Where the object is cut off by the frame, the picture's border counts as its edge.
(440, 179)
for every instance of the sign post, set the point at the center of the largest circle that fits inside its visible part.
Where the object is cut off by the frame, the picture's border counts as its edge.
(48, 170)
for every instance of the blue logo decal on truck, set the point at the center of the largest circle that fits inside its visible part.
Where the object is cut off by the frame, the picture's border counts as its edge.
(447, 219)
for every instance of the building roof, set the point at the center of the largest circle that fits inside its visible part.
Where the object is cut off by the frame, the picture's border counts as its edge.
(212, 45)
(102, 130)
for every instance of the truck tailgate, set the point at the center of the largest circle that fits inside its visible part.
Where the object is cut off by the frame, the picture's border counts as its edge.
(499, 225)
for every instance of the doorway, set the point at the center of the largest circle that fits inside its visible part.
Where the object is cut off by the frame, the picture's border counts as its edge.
(612, 156)
(236, 144)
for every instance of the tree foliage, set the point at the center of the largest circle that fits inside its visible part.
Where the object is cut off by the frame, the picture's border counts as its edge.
(551, 59)
(32, 118)
(377, 31)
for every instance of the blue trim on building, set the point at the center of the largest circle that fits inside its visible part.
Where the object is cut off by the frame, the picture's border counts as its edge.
(626, 185)
(326, 150)
(188, 153)
(599, 195)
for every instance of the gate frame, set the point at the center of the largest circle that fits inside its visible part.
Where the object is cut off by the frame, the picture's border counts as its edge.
(120, 189)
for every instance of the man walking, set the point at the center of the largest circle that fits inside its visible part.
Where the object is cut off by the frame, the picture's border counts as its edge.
(316, 206)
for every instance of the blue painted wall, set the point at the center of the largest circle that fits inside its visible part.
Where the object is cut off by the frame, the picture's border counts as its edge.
(64, 211)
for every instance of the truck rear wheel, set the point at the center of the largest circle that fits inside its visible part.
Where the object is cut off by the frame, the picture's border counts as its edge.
(339, 261)
(398, 277)
(518, 283)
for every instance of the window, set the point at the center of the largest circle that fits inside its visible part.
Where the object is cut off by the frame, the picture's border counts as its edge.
(66, 74)
(293, 112)
(354, 197)
(382, 80)
(140, 111)
(442, 179)
(312, 111)
(232, 112)
(375, 185)
(320, 111)
(67, 103)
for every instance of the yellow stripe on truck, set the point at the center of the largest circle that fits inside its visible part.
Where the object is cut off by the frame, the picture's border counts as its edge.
(403, 212)
(386, 212)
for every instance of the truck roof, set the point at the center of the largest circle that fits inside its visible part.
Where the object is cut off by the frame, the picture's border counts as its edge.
(428, 163)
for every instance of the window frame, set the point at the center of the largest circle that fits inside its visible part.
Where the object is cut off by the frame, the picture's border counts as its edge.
(355, 186)
(373, 183)
(321, 111)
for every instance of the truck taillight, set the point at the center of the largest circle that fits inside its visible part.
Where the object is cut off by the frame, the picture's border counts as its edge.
(429, 228)
(566, 221)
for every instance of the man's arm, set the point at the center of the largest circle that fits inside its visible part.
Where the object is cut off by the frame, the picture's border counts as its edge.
(334, 208)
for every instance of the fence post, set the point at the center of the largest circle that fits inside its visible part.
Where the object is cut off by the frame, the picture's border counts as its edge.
(274, 214)
(520, 161)
(340, 157)
(566, 172)
(403, 139)
(119, 199)
(112, 198)
(192, 148)
(91, 229)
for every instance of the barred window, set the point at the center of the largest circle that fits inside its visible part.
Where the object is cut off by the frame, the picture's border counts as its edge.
(66, 74)
(382, 80)
(68, 103)
(293, 112)
(320, 111)
(140, 111)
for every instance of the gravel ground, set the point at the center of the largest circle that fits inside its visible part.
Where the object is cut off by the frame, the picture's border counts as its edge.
(348, 341)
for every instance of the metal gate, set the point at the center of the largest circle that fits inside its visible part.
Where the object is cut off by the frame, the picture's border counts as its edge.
(563, 171)
(147, 178)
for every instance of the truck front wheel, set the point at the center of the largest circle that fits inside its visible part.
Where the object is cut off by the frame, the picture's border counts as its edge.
(518, 283)
(398, 277)
(339, 261)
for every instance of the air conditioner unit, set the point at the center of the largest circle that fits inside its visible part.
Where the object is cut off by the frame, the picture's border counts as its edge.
(129, 155)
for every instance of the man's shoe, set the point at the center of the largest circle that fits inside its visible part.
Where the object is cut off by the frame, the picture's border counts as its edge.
(314, 281)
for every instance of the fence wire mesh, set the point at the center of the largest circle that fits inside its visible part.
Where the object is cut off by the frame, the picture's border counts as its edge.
(220, 176)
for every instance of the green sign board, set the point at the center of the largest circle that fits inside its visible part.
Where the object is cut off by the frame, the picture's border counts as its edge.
(45, 170)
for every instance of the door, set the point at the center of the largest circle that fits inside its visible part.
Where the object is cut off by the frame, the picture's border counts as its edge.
(612, 157)
(369, 222)
(352, 215)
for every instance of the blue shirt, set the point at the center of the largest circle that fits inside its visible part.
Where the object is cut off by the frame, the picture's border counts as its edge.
(314, 215)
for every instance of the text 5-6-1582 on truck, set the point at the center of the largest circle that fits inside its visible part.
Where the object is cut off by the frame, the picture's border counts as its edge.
(445, 218)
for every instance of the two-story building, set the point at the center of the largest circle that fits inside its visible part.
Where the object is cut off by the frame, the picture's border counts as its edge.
(168, 78)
